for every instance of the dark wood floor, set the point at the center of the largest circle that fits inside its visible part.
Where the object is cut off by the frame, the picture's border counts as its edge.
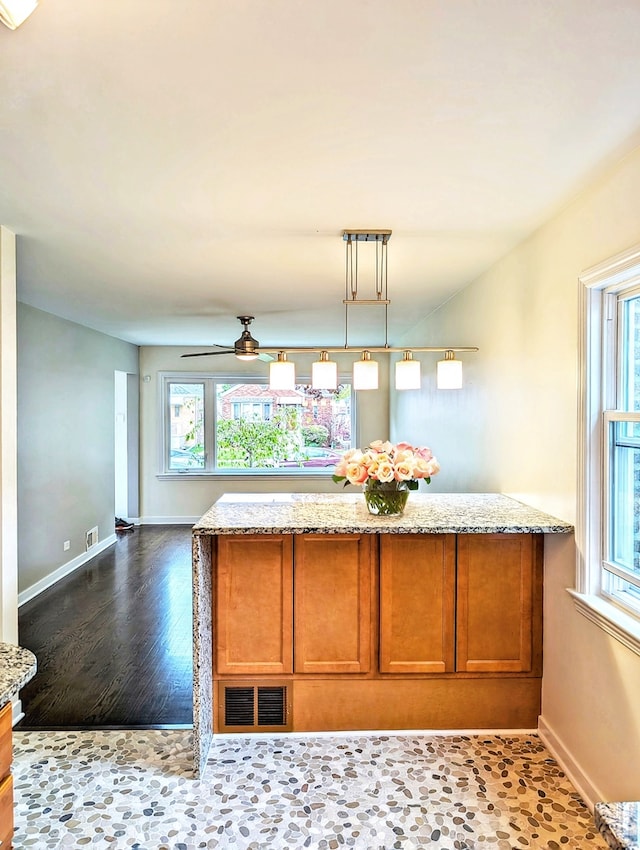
(113, 639)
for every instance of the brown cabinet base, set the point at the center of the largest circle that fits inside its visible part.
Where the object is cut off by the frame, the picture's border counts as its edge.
(416, 704)
(378, 632)
(332, 705)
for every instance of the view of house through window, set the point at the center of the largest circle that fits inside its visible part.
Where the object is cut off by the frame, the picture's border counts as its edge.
(212, 425)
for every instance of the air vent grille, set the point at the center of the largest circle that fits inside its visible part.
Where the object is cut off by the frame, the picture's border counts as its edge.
(272, 706)
(260, 707)
(239, 706)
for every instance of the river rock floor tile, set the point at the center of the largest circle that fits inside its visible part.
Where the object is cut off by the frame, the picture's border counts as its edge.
(134, 789)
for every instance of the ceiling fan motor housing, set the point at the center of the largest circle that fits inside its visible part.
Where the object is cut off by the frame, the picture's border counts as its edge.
(246, 344)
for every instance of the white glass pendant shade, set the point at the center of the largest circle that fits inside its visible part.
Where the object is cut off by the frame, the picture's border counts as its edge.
(408, 373)
(15, 12)
(449, 372)
(324, 373)
(365, 373)
(282, 374)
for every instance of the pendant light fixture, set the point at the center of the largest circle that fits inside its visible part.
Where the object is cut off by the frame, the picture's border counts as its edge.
(365, 370)
(408, 372)
(15, 12)
(365, 373)
(282, 373)
(324, 373)
(449, 372)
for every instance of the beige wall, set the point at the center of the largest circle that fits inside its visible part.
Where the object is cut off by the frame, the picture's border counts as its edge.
(513, 428)
(163, 500)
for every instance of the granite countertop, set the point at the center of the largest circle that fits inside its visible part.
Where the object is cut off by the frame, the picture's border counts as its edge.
(619, 824)
(340, 513)
(17, 666)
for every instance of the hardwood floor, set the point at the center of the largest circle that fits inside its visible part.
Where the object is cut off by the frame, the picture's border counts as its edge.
(113, 639)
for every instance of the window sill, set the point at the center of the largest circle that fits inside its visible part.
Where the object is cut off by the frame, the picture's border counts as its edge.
(608, 617)
(305, 475)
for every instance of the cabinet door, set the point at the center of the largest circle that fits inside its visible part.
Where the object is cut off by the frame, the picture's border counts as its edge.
(332, 603)
(417, 603)
(254, 596)
(499, 607)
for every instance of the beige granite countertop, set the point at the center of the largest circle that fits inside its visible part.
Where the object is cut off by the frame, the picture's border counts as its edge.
(17, 666)
(339, 513)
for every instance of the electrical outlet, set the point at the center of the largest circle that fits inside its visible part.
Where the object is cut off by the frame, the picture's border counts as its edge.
(66, 545)
(92, 537)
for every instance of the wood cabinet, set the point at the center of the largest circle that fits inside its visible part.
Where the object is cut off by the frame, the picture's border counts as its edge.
(332, 603)
(6, 780)
(253, 610)
(499, 604)
(417, 603)
(348, 631)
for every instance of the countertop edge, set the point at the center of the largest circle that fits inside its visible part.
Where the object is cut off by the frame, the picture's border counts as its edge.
(17, 666)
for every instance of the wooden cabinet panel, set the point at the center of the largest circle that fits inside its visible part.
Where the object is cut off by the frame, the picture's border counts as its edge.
(253, 593)
(6, 811)
(5, 740)
(417, 603)
(499, 605)
(332, 602)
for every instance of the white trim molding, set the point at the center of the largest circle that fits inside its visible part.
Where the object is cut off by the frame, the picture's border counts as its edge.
(167, 520)
(49, 580)
(578, 778)
(609, 277)
(609, 618)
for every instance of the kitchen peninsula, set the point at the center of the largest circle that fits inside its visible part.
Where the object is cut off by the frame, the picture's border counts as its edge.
(310, 614)
(17, 667)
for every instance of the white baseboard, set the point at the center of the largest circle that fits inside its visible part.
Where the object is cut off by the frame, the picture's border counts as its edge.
(166, 520)
(579, 779)
(17, 712)
(64, 570)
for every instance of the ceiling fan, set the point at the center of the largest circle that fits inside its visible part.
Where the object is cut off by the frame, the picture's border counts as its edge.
(244, 348)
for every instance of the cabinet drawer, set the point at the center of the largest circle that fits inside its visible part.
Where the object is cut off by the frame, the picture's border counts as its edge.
(5, 740)
(6, 811)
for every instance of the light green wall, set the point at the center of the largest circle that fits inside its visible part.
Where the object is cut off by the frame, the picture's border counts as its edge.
(165, 499)
(65, 438)
(513, 428)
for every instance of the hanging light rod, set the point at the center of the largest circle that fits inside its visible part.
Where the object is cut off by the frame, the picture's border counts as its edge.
(376, 349)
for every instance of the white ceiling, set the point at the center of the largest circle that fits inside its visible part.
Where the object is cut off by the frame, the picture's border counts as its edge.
(167, 166)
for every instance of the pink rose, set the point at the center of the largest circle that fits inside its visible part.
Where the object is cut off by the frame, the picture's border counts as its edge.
(403, 471)
(356, 473)
(424, 452)
(341, 468)
(385, 471)
(380, 446)
(405, 447)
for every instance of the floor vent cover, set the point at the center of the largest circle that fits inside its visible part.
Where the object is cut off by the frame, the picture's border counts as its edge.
(255, 707)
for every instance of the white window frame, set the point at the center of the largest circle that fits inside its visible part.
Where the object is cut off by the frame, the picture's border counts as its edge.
(599, 289)
(210, 415)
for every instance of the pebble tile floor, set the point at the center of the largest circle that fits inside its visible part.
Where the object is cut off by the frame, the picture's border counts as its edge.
(134, 789)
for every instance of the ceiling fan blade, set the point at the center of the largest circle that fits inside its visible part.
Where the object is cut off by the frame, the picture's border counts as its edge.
(208, 353)
(266, 358)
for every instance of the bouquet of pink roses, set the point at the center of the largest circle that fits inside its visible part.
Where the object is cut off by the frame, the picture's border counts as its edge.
(384, 462)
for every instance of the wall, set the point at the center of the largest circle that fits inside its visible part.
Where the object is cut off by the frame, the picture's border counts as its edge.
(8, 437)
(186, 500)
(66, 438)
(513, 429)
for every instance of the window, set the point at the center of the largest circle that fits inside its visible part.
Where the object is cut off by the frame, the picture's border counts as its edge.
(607, 526)
(621, 441)
(240, 426)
